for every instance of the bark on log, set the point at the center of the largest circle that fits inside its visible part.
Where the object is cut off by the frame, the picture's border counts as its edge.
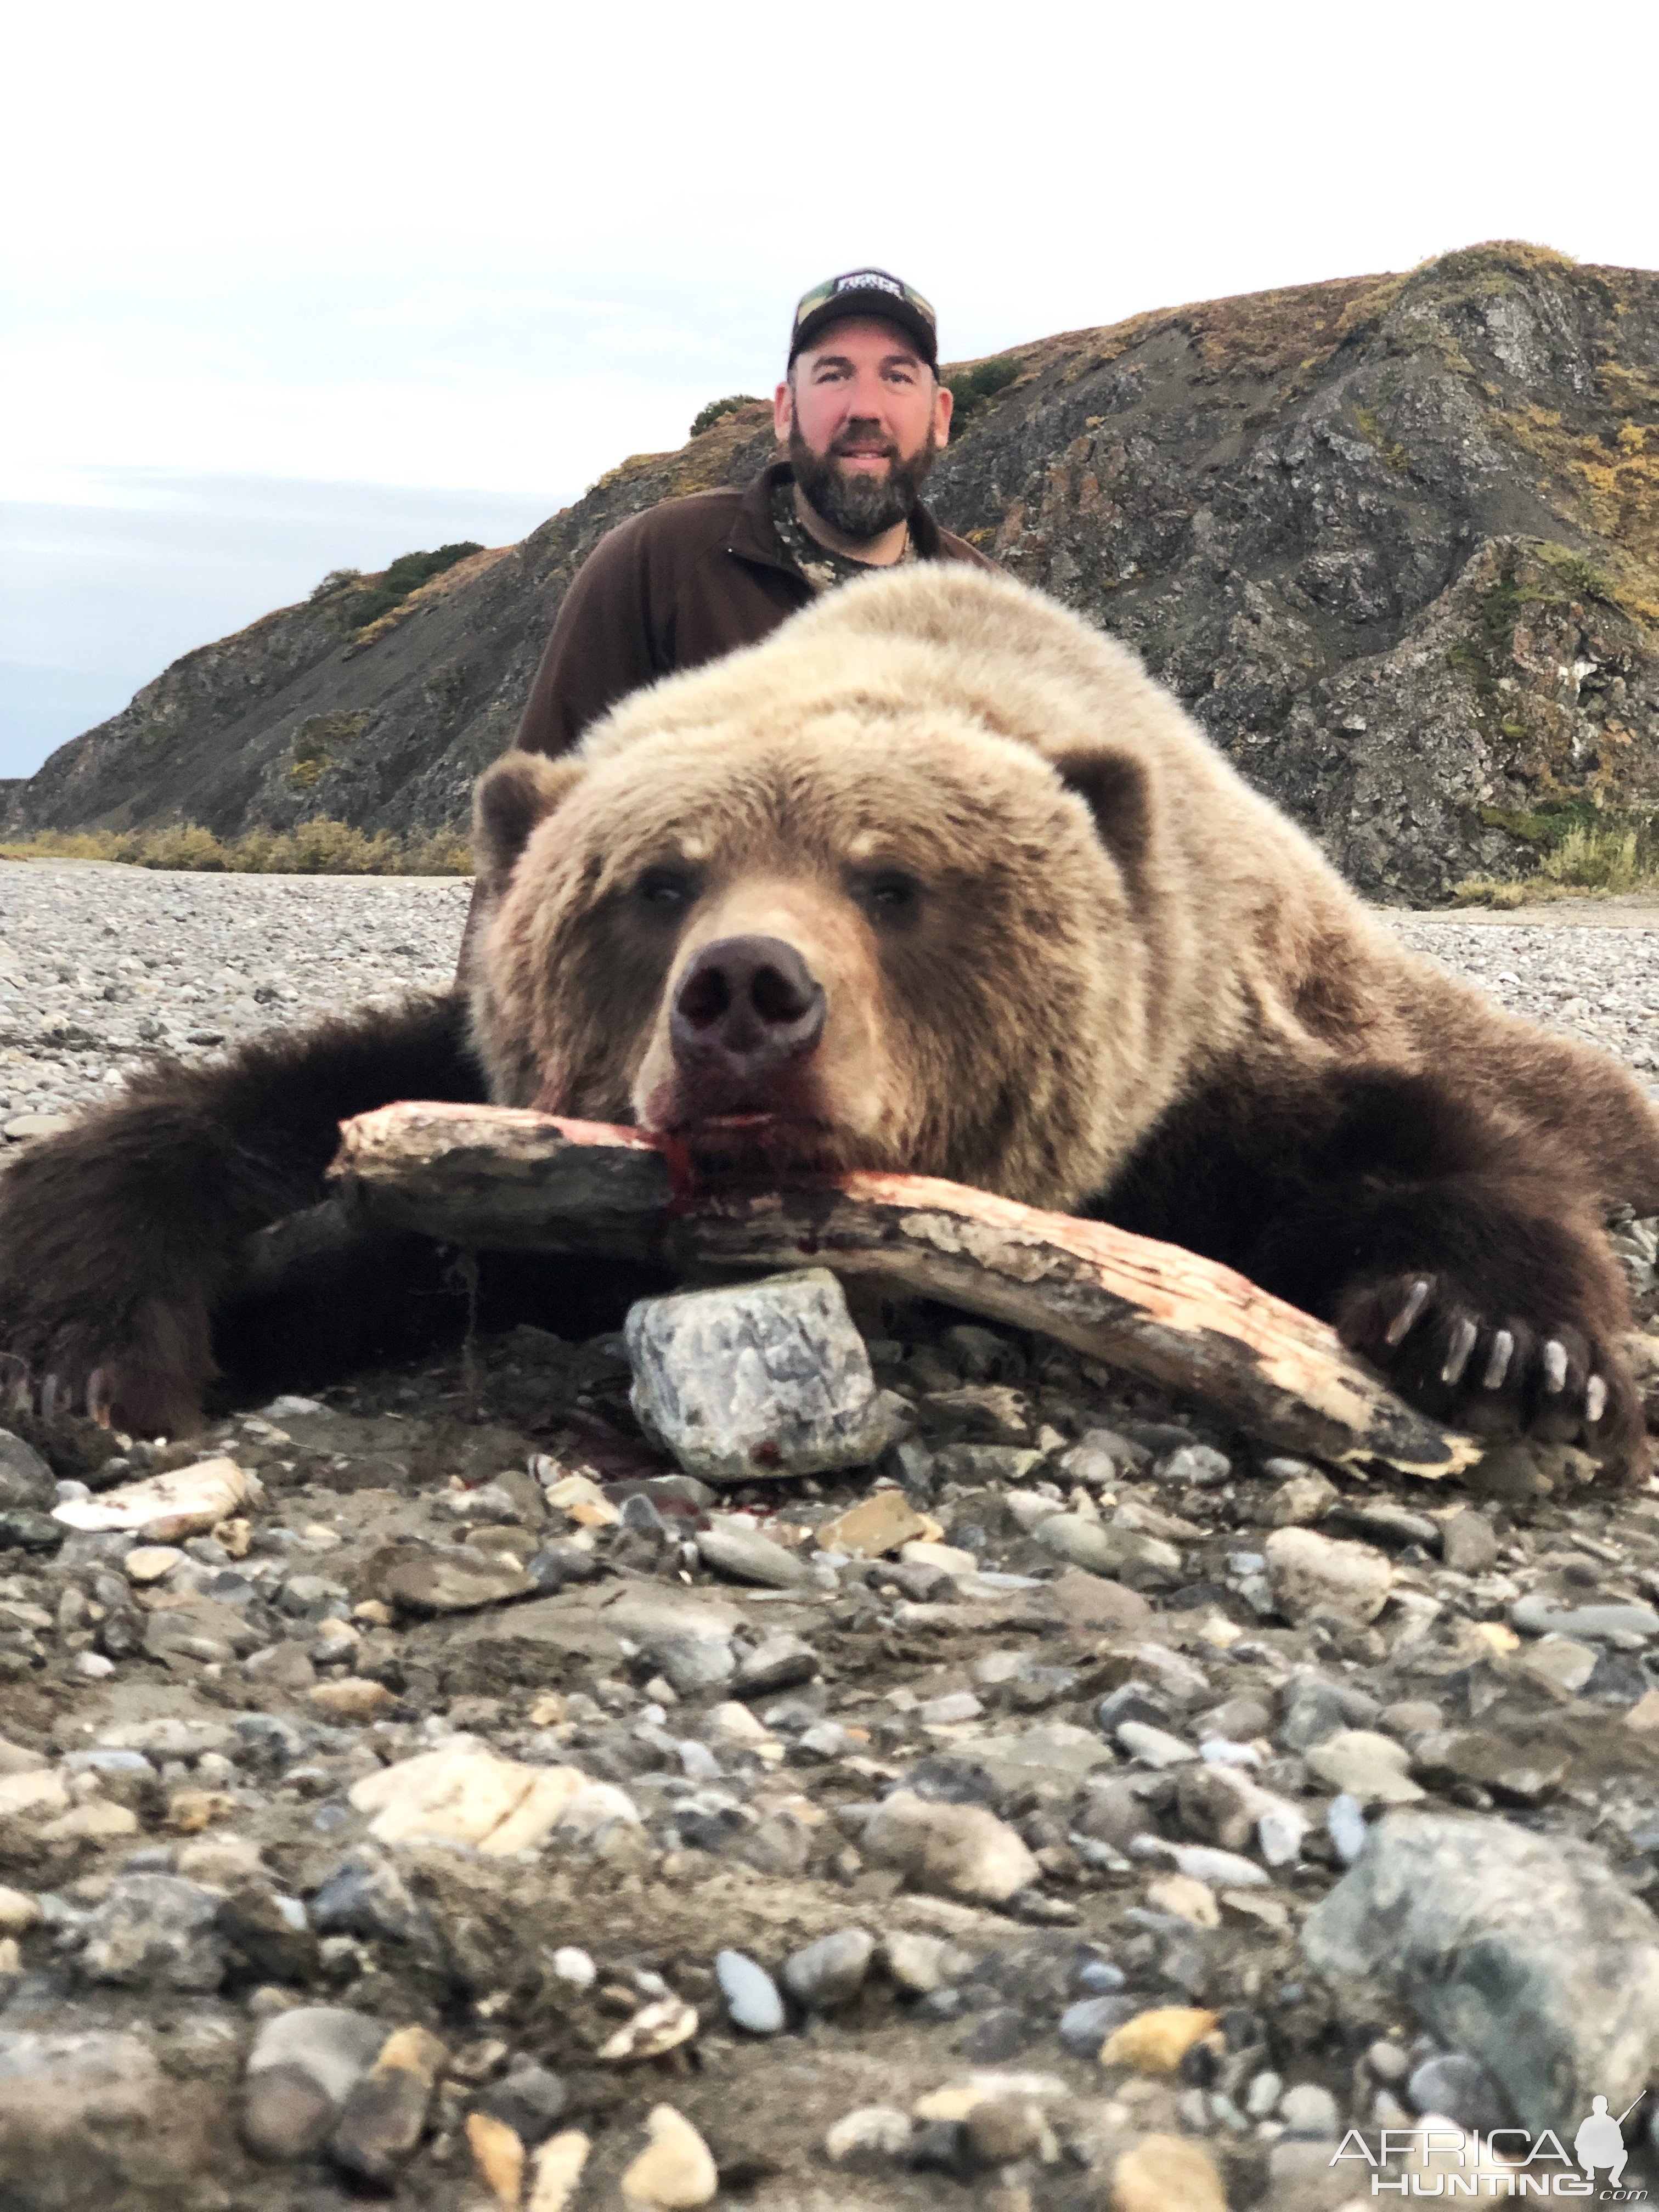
(497, 1177)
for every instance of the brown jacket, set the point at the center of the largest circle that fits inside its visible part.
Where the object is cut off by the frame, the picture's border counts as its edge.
(680, 584)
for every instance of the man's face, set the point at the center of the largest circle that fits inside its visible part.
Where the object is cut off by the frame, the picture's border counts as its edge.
(863, 417)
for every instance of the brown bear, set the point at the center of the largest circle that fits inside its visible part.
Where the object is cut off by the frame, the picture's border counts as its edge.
(934, 879)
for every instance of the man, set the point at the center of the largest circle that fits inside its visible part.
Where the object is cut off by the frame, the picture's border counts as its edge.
(862, 413)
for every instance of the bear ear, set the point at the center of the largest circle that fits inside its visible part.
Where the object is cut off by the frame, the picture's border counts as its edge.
(1116, 788)
(522, 790)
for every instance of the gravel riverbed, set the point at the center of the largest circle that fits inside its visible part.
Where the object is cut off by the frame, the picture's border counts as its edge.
(1083, 1810)
(100, 965)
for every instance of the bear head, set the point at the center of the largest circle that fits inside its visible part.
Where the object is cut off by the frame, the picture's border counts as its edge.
(814, 912)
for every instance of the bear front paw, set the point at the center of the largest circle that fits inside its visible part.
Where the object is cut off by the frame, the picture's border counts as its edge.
(1494, 1375)
(60, 1377)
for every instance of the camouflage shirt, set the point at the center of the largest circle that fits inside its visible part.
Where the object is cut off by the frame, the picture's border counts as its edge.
(821, 565)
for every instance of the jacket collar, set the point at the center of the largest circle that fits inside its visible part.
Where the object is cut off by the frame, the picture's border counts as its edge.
(753, 535)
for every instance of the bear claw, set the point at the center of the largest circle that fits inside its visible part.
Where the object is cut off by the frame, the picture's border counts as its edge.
(1497, 1362)
(1463, 1340)
(1416, 1298)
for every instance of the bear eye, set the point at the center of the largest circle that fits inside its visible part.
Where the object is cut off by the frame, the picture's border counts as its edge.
(891, 895)
(666, 889)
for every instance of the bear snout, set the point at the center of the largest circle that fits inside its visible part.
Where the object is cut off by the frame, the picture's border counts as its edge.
(745, 1009)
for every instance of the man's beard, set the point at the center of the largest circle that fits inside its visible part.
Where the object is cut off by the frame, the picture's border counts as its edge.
(859, 507)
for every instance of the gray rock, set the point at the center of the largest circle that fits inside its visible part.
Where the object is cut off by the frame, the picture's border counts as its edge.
(365, 1894)
(1362, 1765)
(1103, 1548)
(1522, 1951)
(778, 1662)
(1304, 1497)
(1083, 2027)
(830, 1971)
(1196, 1463)
(25, 1480)
(752, 1996)
(746, 1556)
(1308, 2110)
(456, 1580)
(1459, 2089)
(1536, 1616)
(530, 2099)
(155, 1928)
(1315, 1576)
(955, 1850)
(766, 1378)
(302, 2067)
(89, 2122)
(1468, 1545)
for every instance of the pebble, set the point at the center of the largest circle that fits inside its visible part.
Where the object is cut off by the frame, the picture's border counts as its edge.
(1364, 1765)
(302, 2066)
(498, 2153)
(1085, 2025)
(1156, 2041)
(473, 1796)
(831, 1972)
(1536, 1616)
(1308, 2110)
(1313, 1576)
(875, 2132)
(955, 1850)
(752, 1996)
(1100, 1548)
(384, 2110)
(744, 1555)
(1164, 2173)
(155, 1929)
(675, 2173)
(556, 2172)
(1460, 2089)
(882, 1524)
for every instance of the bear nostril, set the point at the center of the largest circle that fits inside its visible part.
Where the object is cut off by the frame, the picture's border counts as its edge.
(775, 998)
(704, 997)
(745, 1007)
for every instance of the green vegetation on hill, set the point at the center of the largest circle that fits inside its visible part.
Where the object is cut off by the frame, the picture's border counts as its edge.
(706, 418)
(970, 388)
(406, 574)
(321, 848)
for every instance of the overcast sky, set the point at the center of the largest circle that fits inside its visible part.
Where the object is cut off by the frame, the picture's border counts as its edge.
(289, 290)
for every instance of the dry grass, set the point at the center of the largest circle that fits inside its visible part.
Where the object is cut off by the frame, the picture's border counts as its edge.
(313, 849)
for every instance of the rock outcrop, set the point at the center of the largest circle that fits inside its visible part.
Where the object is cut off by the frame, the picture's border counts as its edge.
(1394, 539)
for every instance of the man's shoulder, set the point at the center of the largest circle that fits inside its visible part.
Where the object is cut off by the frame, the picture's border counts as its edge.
(679, 527)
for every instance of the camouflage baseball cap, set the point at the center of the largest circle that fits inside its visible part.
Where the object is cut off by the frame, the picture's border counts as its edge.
(867, 291)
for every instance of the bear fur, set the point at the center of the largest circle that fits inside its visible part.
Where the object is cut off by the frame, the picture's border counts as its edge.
(934, 879)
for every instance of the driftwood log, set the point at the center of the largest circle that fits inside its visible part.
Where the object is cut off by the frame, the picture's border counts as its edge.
(495, 1178)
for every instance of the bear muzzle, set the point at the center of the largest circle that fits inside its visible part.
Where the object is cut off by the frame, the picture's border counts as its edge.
(746, 1011)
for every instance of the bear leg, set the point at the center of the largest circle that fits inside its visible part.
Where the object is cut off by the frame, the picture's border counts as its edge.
(117, 1239)
(1462, 1254)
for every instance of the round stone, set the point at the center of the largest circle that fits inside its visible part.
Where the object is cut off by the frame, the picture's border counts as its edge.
(752, 1996)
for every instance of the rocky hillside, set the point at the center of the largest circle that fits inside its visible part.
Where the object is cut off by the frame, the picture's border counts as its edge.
(1394, 540)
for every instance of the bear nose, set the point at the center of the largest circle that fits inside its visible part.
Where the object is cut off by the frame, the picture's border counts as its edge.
(746, 1006)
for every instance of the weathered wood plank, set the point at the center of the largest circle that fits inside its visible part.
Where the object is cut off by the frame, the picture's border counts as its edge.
(498, 1177)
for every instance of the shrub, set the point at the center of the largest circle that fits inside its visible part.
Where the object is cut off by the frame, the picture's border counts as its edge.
(971, 387)
(322, 848)
(706, 418)
(406, 574)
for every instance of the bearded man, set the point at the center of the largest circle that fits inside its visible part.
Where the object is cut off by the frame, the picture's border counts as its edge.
(862, 413)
